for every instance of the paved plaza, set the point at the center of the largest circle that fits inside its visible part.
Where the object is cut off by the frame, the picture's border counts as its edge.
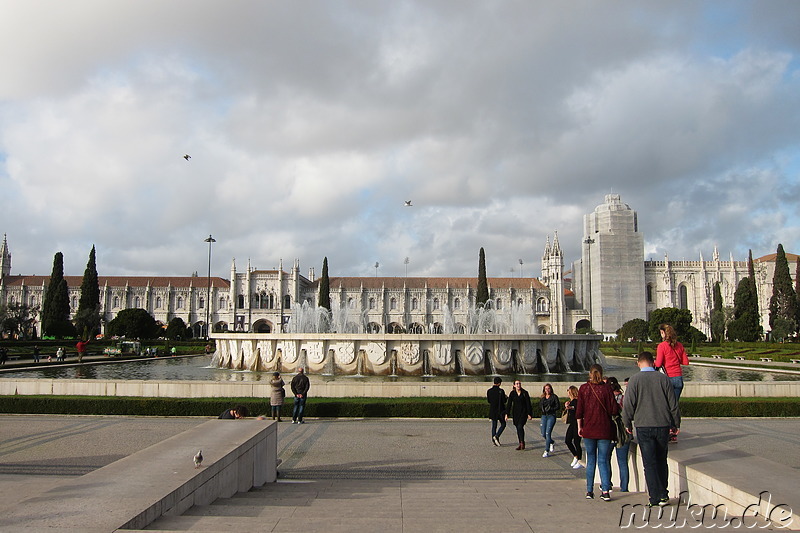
(371, 475)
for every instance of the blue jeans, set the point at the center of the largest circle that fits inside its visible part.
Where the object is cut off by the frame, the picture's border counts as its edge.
(598, 454)
(497, 432)
(622, 464)
(547, 424)
(298, 408)
(677, 386)
(653, 447)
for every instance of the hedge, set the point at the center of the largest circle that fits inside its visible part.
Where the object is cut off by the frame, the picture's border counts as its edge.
(352, 407)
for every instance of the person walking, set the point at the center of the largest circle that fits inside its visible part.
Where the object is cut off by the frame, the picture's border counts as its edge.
(572, 439)
(276, 395)
(650, 404)
(595, 406)
(670, 355)
(549, 405)
(620, 451)
(60, 354)
(36, 354)
(519, 405)
(300, 386)
(81, 347)
(496, 397)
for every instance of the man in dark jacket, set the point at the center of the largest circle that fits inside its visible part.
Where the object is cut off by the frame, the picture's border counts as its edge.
(650, 403)
(300, 386)
(497, 409)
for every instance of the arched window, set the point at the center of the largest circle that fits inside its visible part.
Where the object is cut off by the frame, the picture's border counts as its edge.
(457, 303)
(222, 303)
(435, 304)
(683, 297)
(414, 304)
(241, 301)
(499, 304)
(116, 301)
(372, 303)
(393, 304)
(11, 300)
(520, 302)
(542, 305)
(180, 302)
(649, 293)
(287, 302)
(350, 303)
(271, 303)
(74, 302)
(201, 303)
(137, 302)
(33, 301)
(158, 302)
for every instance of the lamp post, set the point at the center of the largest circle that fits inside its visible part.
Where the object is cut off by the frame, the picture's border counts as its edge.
(520, 268)
(588, 242)
(208, 292)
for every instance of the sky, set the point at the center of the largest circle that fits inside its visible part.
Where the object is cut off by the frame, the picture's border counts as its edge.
(310, 123)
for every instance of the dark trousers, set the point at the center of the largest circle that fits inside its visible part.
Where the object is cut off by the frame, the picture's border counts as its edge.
(521, 432)
(573, 441)
(497, 432)
(298, 408)
(653, 444)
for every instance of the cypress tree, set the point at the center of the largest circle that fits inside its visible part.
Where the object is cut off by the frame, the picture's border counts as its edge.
(482, 294)
(717, 315)
(797, 290)
(325, 287)
(783, 304)
(55, 307)
(746, 325)
(87, 319)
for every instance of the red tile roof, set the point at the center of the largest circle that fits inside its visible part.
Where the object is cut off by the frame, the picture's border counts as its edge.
(431, 283)
(770, 258)
(121, 281)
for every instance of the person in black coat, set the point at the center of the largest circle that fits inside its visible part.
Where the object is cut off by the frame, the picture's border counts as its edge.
(497, 409)
(519, 406)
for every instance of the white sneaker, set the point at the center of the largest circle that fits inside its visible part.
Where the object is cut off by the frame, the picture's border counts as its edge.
(545, 454)
(574, 460)
(552, 446)
(577, 465)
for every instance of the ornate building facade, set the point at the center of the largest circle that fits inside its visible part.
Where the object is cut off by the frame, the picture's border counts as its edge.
(610, 284)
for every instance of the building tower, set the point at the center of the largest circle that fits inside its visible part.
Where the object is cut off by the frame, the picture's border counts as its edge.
(5, 259)
(611, 282)
(553, 277)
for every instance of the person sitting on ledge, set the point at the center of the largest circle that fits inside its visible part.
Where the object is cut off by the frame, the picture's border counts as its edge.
(240, 411)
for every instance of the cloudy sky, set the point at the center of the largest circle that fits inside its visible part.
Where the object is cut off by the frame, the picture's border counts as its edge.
(310, 123)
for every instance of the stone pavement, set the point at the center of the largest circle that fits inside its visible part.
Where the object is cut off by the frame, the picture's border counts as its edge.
(375, 475)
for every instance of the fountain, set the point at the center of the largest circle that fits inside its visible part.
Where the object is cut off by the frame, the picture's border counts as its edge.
(491, 342)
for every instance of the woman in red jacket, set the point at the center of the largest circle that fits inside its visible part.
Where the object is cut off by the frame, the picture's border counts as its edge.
(671, 355)
(596, 404)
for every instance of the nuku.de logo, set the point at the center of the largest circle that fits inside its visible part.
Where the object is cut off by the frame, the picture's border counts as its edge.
(694, 515)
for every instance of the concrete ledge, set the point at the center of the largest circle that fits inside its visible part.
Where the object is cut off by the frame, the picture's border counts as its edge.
(706, 473)
(348, 388)
(157, 481)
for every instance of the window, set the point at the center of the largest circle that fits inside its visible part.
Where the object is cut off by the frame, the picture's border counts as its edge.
(435, 303)
(372, 303)
(222, 303)
(683, 297)
(457, 303)
(393, 304)
(201, 303)
(158, 302)
(350, 303)
(520, 302)
(116, 302)
(180, 302)
(499, 304)
(649, 293)
(413, 304)
(74, 302)
(33, 301)
(542, 305)
(137, 303)
(241, 301)
(287, 302)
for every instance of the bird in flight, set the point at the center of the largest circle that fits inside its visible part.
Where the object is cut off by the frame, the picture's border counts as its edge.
(407, 203)
(187, 157)
(198, 459)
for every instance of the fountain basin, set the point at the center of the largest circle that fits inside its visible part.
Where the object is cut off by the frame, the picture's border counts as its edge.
(407, 354)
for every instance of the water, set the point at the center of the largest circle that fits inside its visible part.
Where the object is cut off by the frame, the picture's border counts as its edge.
(199, 369)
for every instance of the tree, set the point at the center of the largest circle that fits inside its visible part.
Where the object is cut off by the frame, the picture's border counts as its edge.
(797, 289)
(87, 319)
(482, 294)
(717, 315)
(680, 319)
(637, 329)
(783, 303)
(55, 307)
(18, 320)
(325, 287)
(176, 329)
(746, 324)
(751, 272)
(135, 324)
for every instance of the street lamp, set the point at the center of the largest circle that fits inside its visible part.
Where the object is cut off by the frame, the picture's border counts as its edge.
(208, 292)
(405, 262)
(376, 268)
(520, 268)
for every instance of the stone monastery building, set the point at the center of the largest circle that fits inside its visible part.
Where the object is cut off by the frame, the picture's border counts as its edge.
(611, 283)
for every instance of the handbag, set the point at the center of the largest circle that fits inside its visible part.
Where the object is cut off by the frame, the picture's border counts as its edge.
(622, 437)
(565, 416)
